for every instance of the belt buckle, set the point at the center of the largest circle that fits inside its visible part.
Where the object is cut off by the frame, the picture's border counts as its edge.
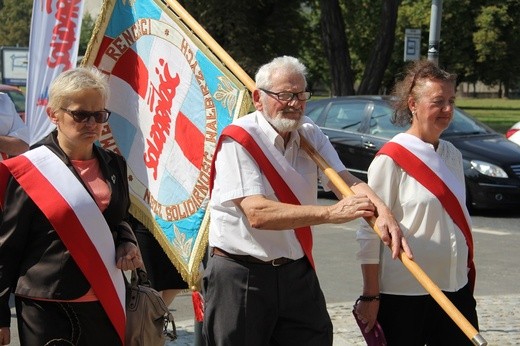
(274, 263)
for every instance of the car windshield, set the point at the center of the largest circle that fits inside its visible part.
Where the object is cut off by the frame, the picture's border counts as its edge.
(462, 124)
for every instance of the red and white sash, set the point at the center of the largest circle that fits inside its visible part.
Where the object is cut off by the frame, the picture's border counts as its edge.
(77, 220)
(275, 167)
(421, 162)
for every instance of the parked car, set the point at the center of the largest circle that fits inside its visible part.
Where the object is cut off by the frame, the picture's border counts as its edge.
(513, 134)
(17, 96)
(358, 126)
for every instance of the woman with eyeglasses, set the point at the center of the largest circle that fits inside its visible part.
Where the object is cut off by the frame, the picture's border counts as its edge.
(420, 177)
(64, 239)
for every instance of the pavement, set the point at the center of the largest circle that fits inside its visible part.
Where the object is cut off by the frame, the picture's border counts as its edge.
(499, 319)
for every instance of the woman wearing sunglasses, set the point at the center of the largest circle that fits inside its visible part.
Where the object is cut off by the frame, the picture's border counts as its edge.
(64, 238)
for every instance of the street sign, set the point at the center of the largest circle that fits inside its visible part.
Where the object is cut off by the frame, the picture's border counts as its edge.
(412, 44)
(15, 61)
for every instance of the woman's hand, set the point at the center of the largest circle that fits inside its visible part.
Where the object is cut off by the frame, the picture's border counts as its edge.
(5, 335)
(367, 313)
(128, 256)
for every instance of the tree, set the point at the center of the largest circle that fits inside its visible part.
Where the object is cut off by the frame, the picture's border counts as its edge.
(336, 48)
(497, 44)
(15, 16)
(456, 50)
(382, 49)
(252, 32)
(87, 25)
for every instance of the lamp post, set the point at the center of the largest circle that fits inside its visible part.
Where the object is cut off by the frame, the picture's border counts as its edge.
(435, 31)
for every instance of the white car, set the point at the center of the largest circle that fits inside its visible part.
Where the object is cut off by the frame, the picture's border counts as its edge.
(513, 134)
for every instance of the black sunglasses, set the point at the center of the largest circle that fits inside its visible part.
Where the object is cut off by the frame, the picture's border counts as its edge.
(80, 116)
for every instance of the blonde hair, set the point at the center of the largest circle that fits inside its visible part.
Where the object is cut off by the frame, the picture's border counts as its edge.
(75, 80)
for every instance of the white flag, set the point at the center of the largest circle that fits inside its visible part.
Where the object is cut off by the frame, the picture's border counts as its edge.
(53, 48)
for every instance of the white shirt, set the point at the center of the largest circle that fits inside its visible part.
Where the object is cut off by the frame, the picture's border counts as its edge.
(438, 245)
(10, 122)
(238, 175)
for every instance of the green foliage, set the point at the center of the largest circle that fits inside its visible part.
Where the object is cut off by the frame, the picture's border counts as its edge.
(252, 32)
(311, 50)
(499, 114)
(480, 39)
(362, 21)
(497, 43)
(87, 25)
(15, 16)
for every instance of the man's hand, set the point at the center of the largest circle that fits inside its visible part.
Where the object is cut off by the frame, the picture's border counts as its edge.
(128, 256)
(350, 208)
(5, 336)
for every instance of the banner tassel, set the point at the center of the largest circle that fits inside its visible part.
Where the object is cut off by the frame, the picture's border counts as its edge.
(198, 305)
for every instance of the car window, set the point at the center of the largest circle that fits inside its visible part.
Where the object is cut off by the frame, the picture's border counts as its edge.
(345, 116)
(381, 124)
(315, 112)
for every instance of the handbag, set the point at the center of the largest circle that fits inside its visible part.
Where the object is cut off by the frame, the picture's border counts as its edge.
(147, 316)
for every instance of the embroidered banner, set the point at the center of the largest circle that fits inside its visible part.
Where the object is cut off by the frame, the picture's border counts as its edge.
(170, 100)
(53, 48)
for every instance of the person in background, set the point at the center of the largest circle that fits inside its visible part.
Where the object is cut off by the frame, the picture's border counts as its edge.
(420, 177)
(14, 135)
(64, 239)
(260, 286)
(163, 275)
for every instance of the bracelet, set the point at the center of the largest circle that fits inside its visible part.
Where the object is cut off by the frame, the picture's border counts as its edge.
(368, 298)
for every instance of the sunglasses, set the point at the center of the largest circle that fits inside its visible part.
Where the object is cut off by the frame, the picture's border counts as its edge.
(80, 116)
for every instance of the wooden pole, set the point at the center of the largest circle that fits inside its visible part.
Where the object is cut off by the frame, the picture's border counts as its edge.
(412, 266)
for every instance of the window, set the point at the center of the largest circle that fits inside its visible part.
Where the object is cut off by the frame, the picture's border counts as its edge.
(345, 116)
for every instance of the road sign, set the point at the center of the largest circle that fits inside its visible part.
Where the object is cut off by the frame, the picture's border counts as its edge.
(15, 61)
(412, 44)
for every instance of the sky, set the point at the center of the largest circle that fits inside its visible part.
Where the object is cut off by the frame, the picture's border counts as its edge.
(93, 7)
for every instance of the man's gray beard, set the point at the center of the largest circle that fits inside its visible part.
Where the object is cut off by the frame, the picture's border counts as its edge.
(283, 124)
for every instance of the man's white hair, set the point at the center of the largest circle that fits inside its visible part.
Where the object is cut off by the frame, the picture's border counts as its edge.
(286, 63)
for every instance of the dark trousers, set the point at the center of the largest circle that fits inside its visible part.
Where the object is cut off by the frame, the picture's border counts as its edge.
(63, 324)
(419, 320)
(258, 304)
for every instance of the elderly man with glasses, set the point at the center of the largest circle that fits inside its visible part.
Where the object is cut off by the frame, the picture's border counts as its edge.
(260, 286)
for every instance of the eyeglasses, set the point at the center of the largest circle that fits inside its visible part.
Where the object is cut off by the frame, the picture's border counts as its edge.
(80, 116)
(288, 96)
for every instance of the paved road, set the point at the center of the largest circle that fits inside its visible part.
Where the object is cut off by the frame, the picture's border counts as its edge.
(497, 245)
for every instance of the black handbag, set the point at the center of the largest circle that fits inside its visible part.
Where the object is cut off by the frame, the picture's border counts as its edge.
(147, 316)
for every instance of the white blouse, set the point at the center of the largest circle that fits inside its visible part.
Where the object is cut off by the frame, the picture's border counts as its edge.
(438, 245)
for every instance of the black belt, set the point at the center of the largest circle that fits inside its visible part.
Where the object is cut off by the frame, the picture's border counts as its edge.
(250, 259)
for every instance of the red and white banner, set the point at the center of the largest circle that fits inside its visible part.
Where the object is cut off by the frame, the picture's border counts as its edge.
(53, 48)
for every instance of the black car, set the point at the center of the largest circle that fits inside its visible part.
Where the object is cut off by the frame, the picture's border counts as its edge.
(358, 126)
